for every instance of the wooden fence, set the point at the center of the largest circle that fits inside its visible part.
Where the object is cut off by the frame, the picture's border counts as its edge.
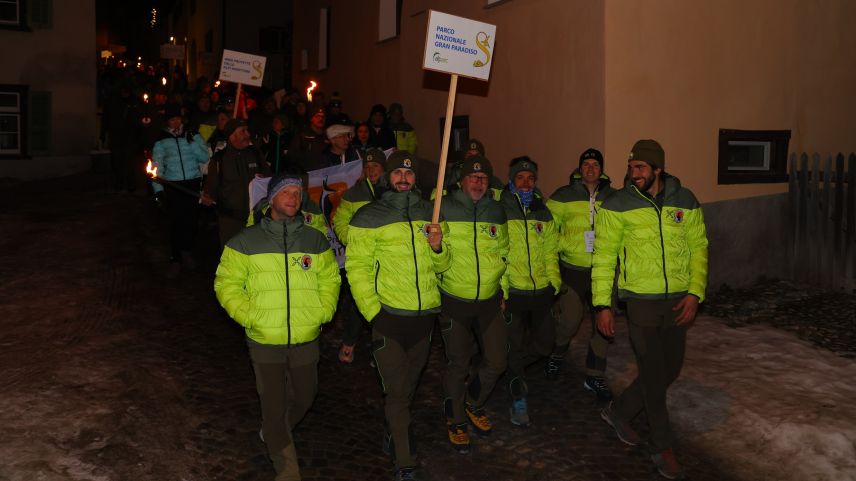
(823, 220)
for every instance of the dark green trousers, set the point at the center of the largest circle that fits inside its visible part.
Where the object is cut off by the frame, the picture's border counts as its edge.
(569, 311)
(659, 347)
(287, 382)
(531, 331)
(469, 327)
(400, 345)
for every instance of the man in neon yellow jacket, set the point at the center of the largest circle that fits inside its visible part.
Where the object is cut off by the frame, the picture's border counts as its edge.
(574, 208)
(478, 237)
(394, 254)
(655, 229)
(368, 188)
(280, 280)
(530, 283)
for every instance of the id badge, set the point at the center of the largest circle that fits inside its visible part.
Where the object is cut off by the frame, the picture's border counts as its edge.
(589, 238)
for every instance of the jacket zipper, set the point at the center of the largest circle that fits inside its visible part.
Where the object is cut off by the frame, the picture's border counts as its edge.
(662, 242)
(528, 252)
(413, 249)
(180, 160)
(287, 290)
(625, 265)
(377, 272)
(476, 247)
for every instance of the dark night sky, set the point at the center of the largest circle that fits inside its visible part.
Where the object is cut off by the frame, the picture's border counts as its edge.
(127, 23)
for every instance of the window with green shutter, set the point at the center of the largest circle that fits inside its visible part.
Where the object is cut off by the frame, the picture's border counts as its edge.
(40, 123)
(13, 121)
(41, 13)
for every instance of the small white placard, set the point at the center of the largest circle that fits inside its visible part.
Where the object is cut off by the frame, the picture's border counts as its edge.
(172, 52)
(459, 45)
(242, 68)
(589, 238)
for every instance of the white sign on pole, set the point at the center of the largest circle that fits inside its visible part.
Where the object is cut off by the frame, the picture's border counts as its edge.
(172, 52)
(243, 68)
(459, 46)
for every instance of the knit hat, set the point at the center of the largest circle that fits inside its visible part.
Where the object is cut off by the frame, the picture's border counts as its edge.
(377, 156)
(650, 152)
(378, 108)
(401, 159)
(396, 107)
(171, 110)
(280, 182)
(475, 144)
(316, 110)
(336, 130)
(592, 154)
(232, 125)
(476, 163)
(520, 164)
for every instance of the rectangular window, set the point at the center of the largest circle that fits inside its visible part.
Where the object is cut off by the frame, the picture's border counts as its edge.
(12, 120)
(10, 14)
(389, 20)
(753, 156)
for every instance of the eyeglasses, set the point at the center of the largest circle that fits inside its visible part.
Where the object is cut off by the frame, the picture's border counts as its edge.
(479, 178)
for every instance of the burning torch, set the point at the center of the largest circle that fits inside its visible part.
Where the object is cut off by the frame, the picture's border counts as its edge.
(309, 90)
(153, 172)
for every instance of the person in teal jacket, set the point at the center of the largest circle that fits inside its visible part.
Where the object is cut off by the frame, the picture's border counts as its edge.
(655, 230)
(280, 280)
(178, 156)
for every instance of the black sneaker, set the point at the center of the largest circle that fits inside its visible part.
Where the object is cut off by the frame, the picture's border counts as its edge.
(625, 432)
(405, 474)
(667, 465)
(597, 385)
(554, 366)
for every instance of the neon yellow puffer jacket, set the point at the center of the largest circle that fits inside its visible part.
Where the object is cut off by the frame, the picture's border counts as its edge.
(574, 208)
(388, 260)
(280, 280)
(478, 238)
(357, 196)
(533, 263)
(662, 251)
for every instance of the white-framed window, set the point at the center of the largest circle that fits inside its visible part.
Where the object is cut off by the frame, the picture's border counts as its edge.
(11, 113)
(10, 13)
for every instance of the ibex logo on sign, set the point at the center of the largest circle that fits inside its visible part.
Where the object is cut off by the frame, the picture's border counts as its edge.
(439, 59)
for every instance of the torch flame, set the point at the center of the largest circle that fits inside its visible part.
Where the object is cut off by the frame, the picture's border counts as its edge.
(163, 80)
(146, 98)
(310, 89)
(216, 84)
(153, 171)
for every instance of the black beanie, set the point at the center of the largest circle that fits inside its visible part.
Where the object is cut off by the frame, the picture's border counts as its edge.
(592, 154)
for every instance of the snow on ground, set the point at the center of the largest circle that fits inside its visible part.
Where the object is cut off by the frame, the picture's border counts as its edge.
(761, 402)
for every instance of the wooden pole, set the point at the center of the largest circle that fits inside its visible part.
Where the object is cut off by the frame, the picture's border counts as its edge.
(237, 102)
(444, 150)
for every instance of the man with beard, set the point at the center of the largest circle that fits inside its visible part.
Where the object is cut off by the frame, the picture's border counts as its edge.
(655, 228)
(394, 256)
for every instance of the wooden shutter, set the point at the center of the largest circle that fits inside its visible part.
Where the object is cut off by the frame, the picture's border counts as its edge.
(40, 123)
(41, 13)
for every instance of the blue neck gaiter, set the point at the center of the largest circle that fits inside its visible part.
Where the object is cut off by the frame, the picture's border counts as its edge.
(525, 197)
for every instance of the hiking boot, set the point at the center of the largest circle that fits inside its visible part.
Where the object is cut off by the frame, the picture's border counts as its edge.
(478, 419)
(519, 412)
(667, 464)
(597, 385)
(625, 432)
(459, 437)
(554, 365)
(405, 474)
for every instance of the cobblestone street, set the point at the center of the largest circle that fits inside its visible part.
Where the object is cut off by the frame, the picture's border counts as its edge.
(111, 371)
